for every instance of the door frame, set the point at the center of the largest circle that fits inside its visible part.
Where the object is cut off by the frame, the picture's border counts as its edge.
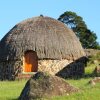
(24, 61)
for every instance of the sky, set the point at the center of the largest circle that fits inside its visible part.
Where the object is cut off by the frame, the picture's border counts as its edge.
(15, 11)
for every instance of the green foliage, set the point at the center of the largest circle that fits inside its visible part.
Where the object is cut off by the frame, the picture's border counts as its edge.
(72, 20)
(76, 23)
(94, 61)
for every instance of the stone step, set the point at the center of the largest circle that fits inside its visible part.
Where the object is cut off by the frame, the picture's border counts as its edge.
(24, 76)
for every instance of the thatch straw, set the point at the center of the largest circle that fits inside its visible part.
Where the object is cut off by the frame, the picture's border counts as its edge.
(50, 38)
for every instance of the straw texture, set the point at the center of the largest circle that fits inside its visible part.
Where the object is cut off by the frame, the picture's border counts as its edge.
(50, 38)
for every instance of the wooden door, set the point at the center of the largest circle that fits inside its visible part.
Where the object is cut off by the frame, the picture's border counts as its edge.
(30, 61)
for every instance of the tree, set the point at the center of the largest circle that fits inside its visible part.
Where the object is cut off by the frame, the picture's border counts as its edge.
(76, 23)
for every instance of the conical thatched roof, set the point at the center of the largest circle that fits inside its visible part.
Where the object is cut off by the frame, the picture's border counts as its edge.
(50, 38)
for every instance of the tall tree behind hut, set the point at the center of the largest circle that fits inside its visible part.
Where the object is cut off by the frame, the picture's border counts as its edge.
(86, 36)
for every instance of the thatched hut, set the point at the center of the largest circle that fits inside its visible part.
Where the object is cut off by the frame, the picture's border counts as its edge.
(39, 44)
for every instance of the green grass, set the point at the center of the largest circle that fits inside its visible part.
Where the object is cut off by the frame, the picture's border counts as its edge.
(87, 91)
(94, 61)
(11, 90)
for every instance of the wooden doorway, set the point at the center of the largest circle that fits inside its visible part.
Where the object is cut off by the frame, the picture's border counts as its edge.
(30, 61)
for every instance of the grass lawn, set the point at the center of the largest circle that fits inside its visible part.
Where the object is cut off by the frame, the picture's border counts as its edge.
(88, 92)
(11, 90)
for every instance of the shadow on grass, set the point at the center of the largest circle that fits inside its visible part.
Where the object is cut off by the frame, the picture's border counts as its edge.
(85, 76)
(12, 99)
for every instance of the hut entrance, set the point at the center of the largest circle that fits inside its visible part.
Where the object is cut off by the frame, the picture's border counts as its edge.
(30, 61)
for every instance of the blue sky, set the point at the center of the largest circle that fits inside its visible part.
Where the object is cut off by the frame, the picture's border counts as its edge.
(14, 11)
